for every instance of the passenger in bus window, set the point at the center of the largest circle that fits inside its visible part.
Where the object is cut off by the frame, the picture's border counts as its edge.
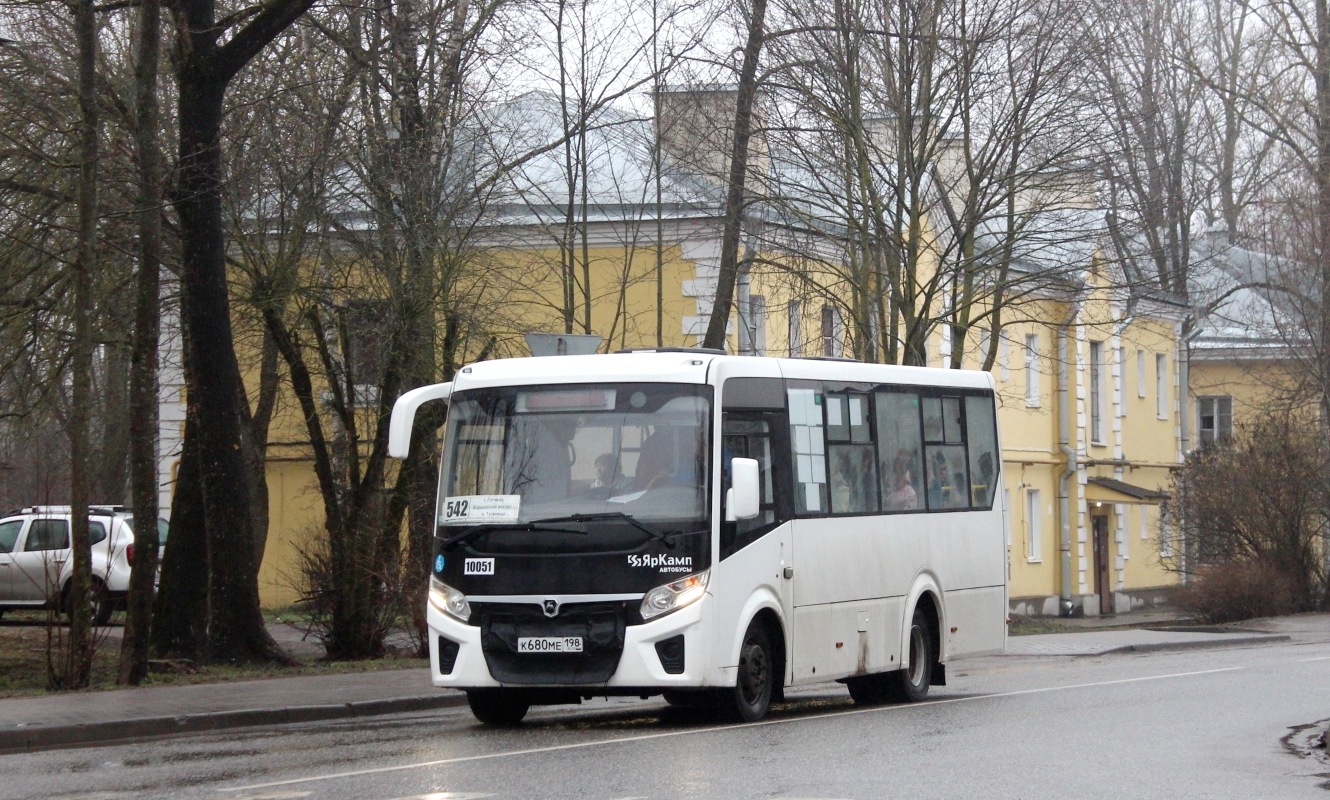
(901, 496)
(981, 490)
(607, 473)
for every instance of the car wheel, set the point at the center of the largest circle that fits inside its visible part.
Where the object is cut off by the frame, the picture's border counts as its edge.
(751, 696)
(100, 606)
(910, 685)
(497, 707)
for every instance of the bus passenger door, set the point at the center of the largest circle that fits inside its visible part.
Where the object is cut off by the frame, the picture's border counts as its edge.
(754, 553)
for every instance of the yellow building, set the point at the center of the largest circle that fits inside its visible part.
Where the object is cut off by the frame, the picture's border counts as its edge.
(1087, 370)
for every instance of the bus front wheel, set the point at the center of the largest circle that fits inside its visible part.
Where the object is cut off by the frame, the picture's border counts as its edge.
(756, 677)
(910, 685)
(497, 707)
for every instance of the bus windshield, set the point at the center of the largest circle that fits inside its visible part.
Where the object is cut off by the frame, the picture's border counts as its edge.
(532, 453)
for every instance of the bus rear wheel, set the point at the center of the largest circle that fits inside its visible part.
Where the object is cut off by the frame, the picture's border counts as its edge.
(910, 685)
(750, 699)
(497, 707)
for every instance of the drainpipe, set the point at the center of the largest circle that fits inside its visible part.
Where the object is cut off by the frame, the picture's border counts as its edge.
(1069, 453)
(1184, 423)
(1184, 387)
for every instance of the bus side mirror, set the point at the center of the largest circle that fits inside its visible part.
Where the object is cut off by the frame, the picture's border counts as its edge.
(744, 498)
(404, 415)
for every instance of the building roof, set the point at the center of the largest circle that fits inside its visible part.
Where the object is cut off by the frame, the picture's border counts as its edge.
(1246, 303)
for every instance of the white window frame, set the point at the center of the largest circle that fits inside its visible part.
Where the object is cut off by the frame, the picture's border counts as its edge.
(1140, 373)
(1034, 546)
(1032, 370)
(1214, 401)
(1161, 386)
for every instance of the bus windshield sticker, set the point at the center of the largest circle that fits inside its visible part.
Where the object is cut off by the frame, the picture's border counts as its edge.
(481, 508)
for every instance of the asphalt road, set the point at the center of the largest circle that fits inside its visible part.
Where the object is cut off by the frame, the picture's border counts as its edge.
(1205, 723)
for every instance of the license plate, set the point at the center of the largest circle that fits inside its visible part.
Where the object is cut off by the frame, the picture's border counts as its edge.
(549, 644)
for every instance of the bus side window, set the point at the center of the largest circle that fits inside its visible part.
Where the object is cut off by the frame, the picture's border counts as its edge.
(945, 462)
(985, 461)
(851, 460)
(900, 451)
(743, 436)
(808, 448)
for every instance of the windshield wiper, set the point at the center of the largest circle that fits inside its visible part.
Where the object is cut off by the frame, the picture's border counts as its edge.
(472, 531)
(619, 515)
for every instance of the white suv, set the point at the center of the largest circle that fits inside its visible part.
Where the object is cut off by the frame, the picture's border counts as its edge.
(35, 564)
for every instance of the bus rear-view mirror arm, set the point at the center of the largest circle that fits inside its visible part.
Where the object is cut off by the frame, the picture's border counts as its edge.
(404, 415)
(743, 499)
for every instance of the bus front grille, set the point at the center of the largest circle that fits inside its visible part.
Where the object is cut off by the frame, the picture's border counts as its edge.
(599, 625)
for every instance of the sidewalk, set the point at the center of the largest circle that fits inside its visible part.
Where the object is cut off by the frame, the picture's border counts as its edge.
(61, 720)
(1099, 643)
(1302, 628)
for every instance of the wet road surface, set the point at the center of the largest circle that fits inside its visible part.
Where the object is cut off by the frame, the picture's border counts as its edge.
(1205, 723)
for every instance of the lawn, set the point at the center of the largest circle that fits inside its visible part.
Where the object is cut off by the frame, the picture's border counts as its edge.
(23, 670)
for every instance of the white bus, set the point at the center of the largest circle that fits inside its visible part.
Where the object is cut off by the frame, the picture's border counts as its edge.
(711, 528)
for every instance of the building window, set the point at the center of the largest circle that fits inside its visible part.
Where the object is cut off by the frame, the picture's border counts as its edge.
(1097, 392)
(1216, 419)
(1140, 373)
(1033, 543)
(756, 325)
(1004, 348)
(1032, 370)
(1145, 522)
(368, 323)
(831, 332)
(1161, 385)
(796, 346)
(1165, 535)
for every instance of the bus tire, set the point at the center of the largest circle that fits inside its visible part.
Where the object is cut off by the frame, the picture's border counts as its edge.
(750, 699)
(910, 685)
(497, 707)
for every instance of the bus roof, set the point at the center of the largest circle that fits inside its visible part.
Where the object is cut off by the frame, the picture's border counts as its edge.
(681, 366)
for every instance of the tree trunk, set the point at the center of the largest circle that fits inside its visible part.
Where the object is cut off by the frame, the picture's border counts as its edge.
(78, 666)
(113, 452)
(179, 623)
(236, 630)
(734, 196)
(143, 417)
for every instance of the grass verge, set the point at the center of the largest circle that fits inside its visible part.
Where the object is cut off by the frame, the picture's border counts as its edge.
(23, 661)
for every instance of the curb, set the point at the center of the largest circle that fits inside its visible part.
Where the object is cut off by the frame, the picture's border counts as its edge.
(1155, 646)
(50, 737)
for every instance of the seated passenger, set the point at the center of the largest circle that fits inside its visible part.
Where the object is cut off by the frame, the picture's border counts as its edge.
(901, 495)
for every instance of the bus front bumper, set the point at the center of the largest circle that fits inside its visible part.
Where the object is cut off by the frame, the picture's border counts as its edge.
(639, 665)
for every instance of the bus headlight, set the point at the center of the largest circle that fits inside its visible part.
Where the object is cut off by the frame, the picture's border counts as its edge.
(676, 595)
(448, 600)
